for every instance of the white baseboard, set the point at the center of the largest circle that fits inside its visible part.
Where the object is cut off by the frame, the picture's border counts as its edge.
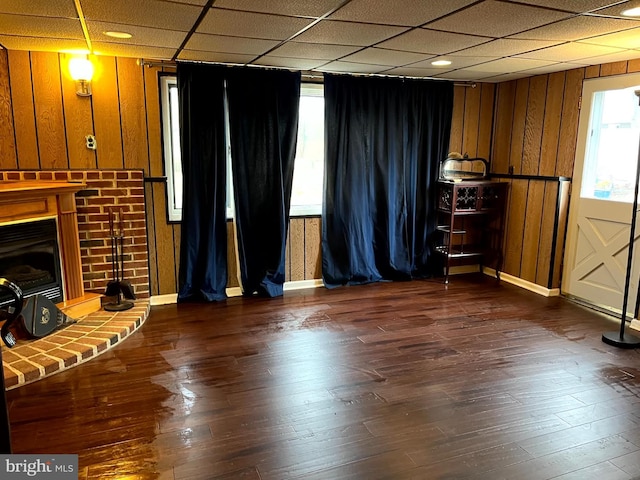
(635, 325)
(302, 284)
(237, 291)
(166, 299)
(519, 282)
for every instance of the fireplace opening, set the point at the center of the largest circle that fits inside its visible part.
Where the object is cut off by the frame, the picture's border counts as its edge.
(30, 258)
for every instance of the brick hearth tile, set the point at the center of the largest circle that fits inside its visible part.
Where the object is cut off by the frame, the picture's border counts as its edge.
(81, 349)
(92, 335)
(27, 369)
(69, 358)
(99, 344)
(50, 364)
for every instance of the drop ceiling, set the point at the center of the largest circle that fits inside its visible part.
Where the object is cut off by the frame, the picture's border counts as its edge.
(485, 40)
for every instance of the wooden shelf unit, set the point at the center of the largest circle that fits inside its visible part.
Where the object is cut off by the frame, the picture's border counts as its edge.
(470, 222)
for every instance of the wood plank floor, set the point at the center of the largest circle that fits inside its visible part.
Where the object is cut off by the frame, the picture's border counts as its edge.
(407, 380)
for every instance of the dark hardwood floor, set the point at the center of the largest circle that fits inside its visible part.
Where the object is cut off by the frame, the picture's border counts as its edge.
(407, 380)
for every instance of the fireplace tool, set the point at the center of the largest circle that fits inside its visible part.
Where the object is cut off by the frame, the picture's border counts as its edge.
(118, 287)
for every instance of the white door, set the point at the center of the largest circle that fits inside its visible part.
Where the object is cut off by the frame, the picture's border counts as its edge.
(602, 195)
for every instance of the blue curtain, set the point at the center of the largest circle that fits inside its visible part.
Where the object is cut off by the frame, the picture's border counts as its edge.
(263, 122)
(203, 246)
(384, 140)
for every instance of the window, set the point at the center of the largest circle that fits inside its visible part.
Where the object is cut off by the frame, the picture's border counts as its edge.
(171, 140)
(612, 148)
(308, 172)
(306, 196)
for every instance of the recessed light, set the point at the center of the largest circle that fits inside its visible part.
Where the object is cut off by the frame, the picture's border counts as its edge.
(631, 12)
(440, 63)
(118, 34)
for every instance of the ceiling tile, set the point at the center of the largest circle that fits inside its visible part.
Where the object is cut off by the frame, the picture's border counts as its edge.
(504, 47)
(556, 67)
(568, 52)
(580, 6)
(578, 28)
(496, 19)
(457, 61)
(295, 63)
(200, 3)
(40, 26)
(397, 12)
(504, 77)
(147, 13)
(221, 43)
(509, 65)
(414, 72)
(616, 8)
(380, 56)
(199, 56)
(41, 44)
(119, 50)
(431, 41)
(41, 8)
(313, 50)
(252, 25)
(626, 39)
(140, 35)
(308, 8)
(348, 67)
(348, 33)
(464, 74)
(612, 57)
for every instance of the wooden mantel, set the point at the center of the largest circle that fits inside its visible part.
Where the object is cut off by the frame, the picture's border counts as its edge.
(23, 201)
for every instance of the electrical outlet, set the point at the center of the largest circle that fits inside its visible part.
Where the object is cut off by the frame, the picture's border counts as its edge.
(91, 142)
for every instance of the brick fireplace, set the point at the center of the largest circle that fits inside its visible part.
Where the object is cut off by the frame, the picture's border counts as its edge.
(101, 191)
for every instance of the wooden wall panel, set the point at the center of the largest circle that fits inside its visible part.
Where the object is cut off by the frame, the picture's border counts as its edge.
(533, 125)
(471, 121)
(457, 121)
(78, 116)
(633, 66)
(154, 135)
(519, 123)
(514, 231)
(166, 254)
(551, 127)
(592, 71)
(175, 230)
(546, 234)
(485, 127)
(569, 123)
(151, 239)
(313, 250)
(24, 118)
(8, 158)
(106, 113)
(133, 114)
(503, 124)
(531, 236)
(233, 274)
(50, 121)
(287, 257)
(296, 239)
(615, 68)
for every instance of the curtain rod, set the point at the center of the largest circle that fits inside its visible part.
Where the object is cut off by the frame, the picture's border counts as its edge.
(312, 76)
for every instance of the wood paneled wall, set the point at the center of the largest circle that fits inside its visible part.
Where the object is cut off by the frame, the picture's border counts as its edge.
(526, 127)
(535, 132)
(43, 124)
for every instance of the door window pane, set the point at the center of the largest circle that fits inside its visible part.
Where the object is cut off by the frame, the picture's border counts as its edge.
(612, 148)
